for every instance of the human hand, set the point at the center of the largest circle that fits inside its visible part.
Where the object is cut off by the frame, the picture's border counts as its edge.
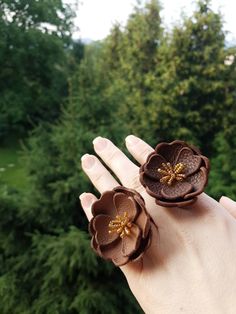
(190, 265)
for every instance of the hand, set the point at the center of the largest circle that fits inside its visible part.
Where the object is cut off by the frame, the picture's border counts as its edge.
(190, 266)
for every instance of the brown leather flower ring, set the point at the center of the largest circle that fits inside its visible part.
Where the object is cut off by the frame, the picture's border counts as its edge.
(175, 173)
(121, 226)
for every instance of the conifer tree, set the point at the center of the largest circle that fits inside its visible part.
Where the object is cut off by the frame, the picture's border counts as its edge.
(133, 53)
(223, 174)
(189, 98)
(47, 265)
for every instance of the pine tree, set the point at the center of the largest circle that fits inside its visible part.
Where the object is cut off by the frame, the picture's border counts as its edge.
(47, 265)
(223, 174)
(189, 99)
(132, 54)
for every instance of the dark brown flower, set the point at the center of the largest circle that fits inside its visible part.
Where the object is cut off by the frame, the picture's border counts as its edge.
(120, 226)
(175, 173)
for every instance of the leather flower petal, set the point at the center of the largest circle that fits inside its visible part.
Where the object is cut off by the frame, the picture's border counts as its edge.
(100, 207)
(101, 227)
(169, 151)
(178, 190)
(198, 181)
(174, 203)
(192, 162)
(152, 166)
(153, 187)
(114, 252)
(125, 204)
(126, 191)
(144, 245)
(132, 242)
(143, 221)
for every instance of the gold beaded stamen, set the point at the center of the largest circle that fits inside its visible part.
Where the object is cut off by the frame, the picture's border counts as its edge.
(121, 225)
(171, 173)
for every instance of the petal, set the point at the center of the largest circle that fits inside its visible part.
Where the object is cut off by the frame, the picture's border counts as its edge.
(198, 181)
(143, 220)
(124, 203)
(128, 192)
(152, 166)
(192, 162)
(144, 245)
(131, 242)
(169, 151)
(100, 225)
(95, 246)
(206, 163)
(140, 201)
(104, 205)
(90, 227)
(153, 187)
(177, 190)
(181, 204)
(114, 252)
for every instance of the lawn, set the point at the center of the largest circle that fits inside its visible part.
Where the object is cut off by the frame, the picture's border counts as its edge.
(11, 171)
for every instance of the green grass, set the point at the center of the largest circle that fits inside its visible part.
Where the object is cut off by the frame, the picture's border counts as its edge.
(11, 171)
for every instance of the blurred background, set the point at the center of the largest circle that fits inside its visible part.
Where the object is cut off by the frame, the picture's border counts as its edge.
(70, 71)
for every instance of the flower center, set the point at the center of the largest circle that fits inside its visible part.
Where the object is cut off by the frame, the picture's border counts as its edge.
(171, 173)
(120, 225)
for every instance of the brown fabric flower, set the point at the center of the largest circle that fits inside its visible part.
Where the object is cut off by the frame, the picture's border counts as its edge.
(175, 173)
(120, 226)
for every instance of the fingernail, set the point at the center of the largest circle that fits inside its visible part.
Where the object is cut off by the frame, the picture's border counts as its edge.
(228, 198)
(87, 161)
(86, 200)
(131, 139)
(100, 143)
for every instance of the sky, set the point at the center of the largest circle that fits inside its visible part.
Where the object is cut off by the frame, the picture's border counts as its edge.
(96, 17)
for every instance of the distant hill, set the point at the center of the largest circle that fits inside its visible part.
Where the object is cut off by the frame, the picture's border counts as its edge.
(87, 40)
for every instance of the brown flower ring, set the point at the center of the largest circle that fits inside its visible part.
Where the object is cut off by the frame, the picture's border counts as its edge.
(175, 173)
(121, 226)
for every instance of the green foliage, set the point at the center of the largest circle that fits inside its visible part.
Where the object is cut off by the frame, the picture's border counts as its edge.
(191, 84)
(132, 59)
(34, 39)
(223, 174)
(12, 172)
(57, 269)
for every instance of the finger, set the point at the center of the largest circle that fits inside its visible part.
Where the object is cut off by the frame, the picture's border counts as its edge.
(103, 181)
(118, 162)
(87, 200)
(98, 174)
(229, 205)
(138, 148)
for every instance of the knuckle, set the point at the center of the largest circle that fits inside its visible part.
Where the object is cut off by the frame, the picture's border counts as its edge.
(98, 177)
(114, 155)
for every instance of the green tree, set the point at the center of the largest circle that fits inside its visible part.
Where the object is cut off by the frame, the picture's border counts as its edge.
(48, 265)
(189, 99)
(34, 39)
(223, 174)
(132, 59)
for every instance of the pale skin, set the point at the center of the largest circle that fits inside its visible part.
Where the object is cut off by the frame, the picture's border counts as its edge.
(190, 266)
